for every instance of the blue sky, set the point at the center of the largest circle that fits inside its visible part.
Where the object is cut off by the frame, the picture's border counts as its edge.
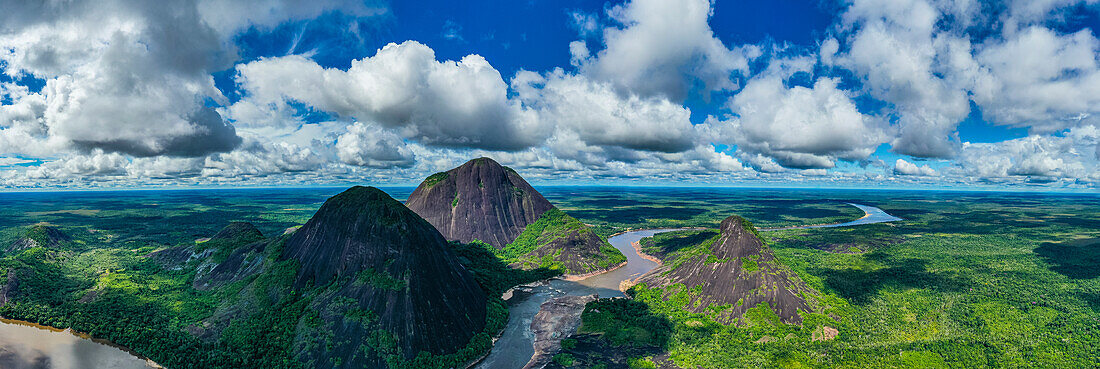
(861, 93)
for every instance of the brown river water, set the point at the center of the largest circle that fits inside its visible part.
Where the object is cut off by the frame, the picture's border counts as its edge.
(30, 346)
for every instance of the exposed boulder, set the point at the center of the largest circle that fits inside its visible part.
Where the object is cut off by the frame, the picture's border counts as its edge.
(557, 318)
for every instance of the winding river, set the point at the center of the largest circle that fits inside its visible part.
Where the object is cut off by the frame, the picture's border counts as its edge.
(26, 346)
(514, 347)
(871, 215)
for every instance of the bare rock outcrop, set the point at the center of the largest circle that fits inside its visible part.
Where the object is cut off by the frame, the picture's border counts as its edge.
(558, 318)
(480, 200)
(738, 273)
(381, 261)
(485, 201)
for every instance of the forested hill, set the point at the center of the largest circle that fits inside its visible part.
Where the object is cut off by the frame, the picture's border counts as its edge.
(364, 283)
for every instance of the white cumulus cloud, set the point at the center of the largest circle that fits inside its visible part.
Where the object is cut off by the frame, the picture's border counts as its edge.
(664, 48)
(802, 127)
(905, 168)
(443, 103)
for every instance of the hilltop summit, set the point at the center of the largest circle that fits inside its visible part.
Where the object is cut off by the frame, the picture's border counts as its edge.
(238, 230)
(485, 201)
(387, 262)
(735, 272)
(479, 200)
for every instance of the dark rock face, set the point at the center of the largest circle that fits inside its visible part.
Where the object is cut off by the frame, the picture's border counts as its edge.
(172, 256)
(739, 271)
(39, 236)
(480, 200)
(11, 283)
(383, 261)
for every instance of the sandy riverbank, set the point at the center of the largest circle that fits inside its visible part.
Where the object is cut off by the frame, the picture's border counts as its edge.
(577, 277)
(626, 284)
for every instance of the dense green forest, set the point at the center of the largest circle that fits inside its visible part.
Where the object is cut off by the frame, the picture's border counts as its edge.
(131, 300)
(966, 280)
(106, 282)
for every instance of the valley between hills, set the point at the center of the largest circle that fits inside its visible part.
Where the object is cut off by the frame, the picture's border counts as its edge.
(477, 268)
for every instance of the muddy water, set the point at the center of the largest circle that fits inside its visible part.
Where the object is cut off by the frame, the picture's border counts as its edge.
(514, 348)
(29, 346)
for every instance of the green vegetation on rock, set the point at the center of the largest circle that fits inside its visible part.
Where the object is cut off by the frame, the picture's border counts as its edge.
(380, 279)
(434, 179)
(966, 280)
(553, 228)
(625, 322)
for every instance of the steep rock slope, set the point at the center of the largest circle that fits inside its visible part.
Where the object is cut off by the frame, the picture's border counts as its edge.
(479, 200)
(232, 254)
(389, 279)
(482, 200)
(44, 243)
(731, 273)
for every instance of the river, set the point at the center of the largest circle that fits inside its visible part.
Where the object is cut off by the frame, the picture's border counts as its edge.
(26, 346)
(871, 215)
(30, 346)
(514, 348)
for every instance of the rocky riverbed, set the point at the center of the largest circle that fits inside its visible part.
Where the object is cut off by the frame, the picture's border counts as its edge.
(558, 318)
